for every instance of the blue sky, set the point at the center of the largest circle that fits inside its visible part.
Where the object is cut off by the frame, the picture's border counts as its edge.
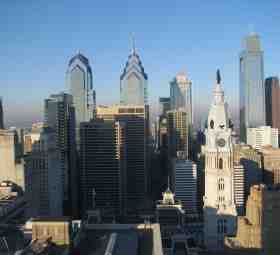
(38, 37)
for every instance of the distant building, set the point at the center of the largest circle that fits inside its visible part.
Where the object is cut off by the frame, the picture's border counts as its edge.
(251, 160)
(11, 161)
(185, 183)
(136, 122)
(32, 136)
(79, 79)
(181, 95)
(43, 177)
(271, 165)
(258, 232)
(178, 132)
(262, 136)
(165, 105)
(134, 81)
(60, 117)
(272, 102)
(103, 165)
(1, 115)
(252, 91)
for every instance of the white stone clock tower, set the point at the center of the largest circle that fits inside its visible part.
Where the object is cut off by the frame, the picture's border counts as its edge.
(219, 207)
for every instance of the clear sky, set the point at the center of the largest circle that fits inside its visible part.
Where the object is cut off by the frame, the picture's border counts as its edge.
(38, 37)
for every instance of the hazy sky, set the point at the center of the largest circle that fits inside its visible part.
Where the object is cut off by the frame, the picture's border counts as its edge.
(38, 37)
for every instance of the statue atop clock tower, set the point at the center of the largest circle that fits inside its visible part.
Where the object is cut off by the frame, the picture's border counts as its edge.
(219, 206)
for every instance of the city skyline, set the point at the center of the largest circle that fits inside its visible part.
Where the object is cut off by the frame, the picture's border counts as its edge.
(163, 44)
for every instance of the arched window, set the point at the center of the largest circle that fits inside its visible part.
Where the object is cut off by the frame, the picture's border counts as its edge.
(220, 163)
(211, 124)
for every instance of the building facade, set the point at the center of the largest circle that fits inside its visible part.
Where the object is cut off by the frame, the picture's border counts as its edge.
(1, 115)
(262, 136)
(103, 165)
(181, 95)
(11, 160)
(239, 188)
(134, 82)
(271, 165)
(258, 231)
(177, 132)
(185, 183)
(251, 82)
(272, 102)
(79, 79)
(136, 121)
(219, 203)
(251, 160)
(43, 177)
(60, 117)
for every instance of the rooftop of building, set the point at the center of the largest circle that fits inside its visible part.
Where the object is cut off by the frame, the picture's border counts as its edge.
(51, 219)
(269, 150)
(116, 239)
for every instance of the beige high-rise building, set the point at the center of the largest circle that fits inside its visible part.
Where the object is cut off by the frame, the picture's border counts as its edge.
(251, 160)
(258, 232)
(11, 162)
(271, 165)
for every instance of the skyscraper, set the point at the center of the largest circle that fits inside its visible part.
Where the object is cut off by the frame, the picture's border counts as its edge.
(79, 78)
(219, 202)
(134, 81)
(251, 82)
(181, 95)
(43, 175)
(185, 183)
(136, 121)
(177, 132)
(1, 114)
(11, 161)
(60, 117)
(103, 165)
(272, 102)
(164, 103)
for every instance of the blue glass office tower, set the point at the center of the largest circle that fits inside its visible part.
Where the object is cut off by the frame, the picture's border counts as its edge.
(252, 92)
(79, 79)
(133, 82)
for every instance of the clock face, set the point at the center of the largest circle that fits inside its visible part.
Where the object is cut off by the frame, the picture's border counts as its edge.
(221, 142)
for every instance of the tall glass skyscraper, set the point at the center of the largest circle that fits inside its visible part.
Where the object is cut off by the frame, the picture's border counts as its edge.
(79, 78)
(252, 92)
(181, 95)
(1, 115)
(133, 82)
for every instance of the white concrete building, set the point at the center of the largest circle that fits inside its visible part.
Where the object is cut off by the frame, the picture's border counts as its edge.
(262, 136)
(219, 206)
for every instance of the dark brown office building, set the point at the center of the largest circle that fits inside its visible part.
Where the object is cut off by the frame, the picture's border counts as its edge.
(272, 102)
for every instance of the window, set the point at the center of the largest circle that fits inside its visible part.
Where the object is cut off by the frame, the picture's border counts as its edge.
(211, 124)
(220, 163)
(221, 184)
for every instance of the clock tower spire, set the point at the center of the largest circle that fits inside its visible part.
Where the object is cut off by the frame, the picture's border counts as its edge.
(219, 206)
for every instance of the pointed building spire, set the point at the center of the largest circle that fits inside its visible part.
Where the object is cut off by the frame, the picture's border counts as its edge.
(133, 49)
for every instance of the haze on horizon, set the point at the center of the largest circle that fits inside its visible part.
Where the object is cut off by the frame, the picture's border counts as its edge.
(38, 39)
